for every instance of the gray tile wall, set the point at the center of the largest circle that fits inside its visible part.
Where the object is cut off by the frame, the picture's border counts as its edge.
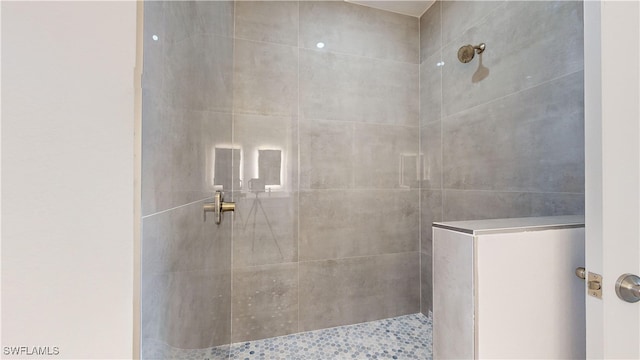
(265, 253)
(335, 239)
(344, 116)
(376, 141)
(502, 136)
(187, 113)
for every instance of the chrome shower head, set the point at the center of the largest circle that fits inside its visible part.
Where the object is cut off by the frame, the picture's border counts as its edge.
(467, 52)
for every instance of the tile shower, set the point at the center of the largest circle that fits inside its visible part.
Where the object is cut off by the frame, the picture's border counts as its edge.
(340, 157)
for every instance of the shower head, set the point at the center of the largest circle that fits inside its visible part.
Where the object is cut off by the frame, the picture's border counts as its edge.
(467, 52)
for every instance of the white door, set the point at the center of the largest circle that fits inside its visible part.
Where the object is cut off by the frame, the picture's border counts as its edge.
(612, 118)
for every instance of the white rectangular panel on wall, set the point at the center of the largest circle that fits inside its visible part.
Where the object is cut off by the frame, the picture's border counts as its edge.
(523, 300)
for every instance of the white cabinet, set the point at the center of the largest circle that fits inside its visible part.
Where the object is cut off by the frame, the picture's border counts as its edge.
(507, 288)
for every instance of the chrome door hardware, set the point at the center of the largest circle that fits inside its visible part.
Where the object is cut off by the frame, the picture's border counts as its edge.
(594, 282)
(628, 288)
(218, 206)
(594, 285)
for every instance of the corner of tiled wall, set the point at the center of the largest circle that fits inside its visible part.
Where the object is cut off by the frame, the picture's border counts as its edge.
(502, 136)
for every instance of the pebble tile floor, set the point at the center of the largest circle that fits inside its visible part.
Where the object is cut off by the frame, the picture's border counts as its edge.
(403, 337)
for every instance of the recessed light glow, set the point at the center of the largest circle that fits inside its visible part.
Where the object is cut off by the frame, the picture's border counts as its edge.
(155, 37)
(320, 45)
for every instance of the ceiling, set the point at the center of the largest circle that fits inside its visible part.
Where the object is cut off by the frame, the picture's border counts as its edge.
(411, 8)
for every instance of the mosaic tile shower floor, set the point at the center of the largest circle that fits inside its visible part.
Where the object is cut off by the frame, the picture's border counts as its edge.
(403, 337)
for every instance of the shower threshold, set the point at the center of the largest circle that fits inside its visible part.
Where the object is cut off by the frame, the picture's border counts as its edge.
(403, 337)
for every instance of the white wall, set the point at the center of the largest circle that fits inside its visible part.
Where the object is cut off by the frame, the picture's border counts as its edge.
(67, 177)
(620, 57)
(612, 113)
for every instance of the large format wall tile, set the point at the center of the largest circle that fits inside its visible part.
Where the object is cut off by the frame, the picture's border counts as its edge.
(339, 155)
(426, 283)
(253, 134)
(358, 30)
(529, 141)
(270, 21)
(339, 224)
(385, 156)
(431, 150)
(265, 79)
(430, 212)
(186, 279)
(198, 73)
(430, 89)
(431, 31)
(187, 103)
(180, 240)
(348, 291)
(265, 229)
(185, 19)
(461, 15)
(350, 88)
(265, 302)
(528, 43)
(325, 155)
(479, 205)
(511, 120)
(177, 149)
(551, 204)
(153, 50)
(156, 155)
(188, 310)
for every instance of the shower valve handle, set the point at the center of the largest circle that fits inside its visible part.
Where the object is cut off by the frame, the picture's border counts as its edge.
(218, 206)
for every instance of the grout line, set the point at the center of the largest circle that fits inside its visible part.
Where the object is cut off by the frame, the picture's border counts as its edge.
(420, 163)
(352, 155)
(298, 184)
(202, 35)
(233, 139)
(464, 31)
(362, 122)
(371, 7)
(310, 49)
(176, 207)
(361, 189)
(359, 257)
(248, 267)
(442, 202)
(515, 191)
(197, 111)
(358, 56)
(474, 107)
(257, 114)
(265, 42)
